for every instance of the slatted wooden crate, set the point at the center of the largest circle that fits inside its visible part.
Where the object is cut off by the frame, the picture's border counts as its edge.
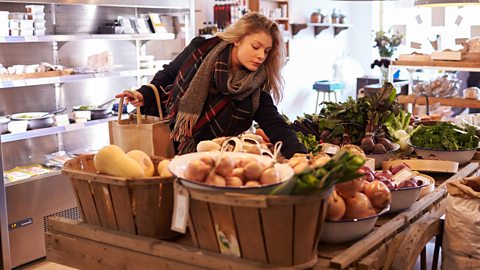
(278, 230)
(138, 206)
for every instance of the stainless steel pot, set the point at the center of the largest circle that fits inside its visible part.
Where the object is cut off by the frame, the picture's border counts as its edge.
(4, 124)
(95, 111)
(37, 120)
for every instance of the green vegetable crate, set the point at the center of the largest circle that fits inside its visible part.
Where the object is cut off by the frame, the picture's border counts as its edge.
(278, 230)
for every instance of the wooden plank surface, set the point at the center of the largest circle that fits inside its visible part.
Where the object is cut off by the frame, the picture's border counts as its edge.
(250, 235)
(87, 254)
(305, 227)
(454, 102)
(87, 202)
(225, 230)
(202, 221)
(146, 209)
(278, 232)
(166, 210)
(53, 73)
(76, 230)
(104, 205)
(438, 63)
(122, 208)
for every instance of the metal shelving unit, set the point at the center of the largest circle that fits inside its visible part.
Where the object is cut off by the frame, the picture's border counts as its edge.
(76, 77)
(67, 38)
(71, 38)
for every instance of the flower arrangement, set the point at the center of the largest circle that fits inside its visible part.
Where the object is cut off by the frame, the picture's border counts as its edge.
(387, 42)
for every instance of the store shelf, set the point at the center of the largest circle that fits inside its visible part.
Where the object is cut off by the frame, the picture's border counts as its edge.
(52, 130)
(168, 4)
(76, 77)
(66, 38)
(34, 178)
(438, 65)
(454, 102)
(319, 27)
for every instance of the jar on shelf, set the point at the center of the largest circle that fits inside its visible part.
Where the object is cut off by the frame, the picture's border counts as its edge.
(315, 17)
(334, 16)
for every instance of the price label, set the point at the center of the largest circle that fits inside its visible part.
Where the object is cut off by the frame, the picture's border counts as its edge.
(402, 175)
(31, 38)
(83, 114)
(331, 149)
(180, 209)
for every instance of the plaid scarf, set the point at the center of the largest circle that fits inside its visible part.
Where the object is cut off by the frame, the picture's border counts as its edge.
(208, 100)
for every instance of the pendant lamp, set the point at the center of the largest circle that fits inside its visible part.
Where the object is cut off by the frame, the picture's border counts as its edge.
(444, 3)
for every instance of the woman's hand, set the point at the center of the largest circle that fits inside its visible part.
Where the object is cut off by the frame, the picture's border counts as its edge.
(134, 97)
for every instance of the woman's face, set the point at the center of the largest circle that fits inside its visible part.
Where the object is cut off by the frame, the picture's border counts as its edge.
(252, 50)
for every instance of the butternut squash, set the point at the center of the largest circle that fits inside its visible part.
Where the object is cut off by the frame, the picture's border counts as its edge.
(143, 160)
(112, 160)
(162, 168)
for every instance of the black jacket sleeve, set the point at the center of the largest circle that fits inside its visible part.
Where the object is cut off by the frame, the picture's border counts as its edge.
(276, 128)
(165, 77)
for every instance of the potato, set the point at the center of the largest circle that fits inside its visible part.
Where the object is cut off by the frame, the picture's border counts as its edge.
(208, 160)
(241, 162)
(234, 181)
(239, 172)
(252, 183)
(270, 176)
(197, 170)
(225, 165)
(214, 179)
(254, 170)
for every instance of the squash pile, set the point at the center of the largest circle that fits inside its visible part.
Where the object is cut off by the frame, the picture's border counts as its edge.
(112, 160)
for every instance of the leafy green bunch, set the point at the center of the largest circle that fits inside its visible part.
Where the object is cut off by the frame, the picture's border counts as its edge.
(444, 136)
(342, 167)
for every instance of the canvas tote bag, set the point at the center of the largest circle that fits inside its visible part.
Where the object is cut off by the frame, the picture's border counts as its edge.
(147, 133)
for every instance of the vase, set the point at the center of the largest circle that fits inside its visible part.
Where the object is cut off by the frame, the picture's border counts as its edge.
(385, 62)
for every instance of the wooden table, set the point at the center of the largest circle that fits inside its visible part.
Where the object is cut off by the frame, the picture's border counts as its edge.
(395, 243)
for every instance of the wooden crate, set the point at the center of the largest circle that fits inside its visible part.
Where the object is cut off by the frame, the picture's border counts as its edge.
(278, 230)
(138, 206)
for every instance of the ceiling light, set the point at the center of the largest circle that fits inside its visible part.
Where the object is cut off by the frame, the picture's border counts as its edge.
(444, 3)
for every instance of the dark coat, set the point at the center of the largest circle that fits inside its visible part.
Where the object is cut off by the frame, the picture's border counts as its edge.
(267, 115)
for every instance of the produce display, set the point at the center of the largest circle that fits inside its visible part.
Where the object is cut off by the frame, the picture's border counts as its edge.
(224, 170)
(112, 160)
(445, 136)
(362, 122)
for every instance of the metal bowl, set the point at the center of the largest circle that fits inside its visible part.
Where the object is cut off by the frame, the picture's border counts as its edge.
(346, 230)
(460, 156)
(179, 164)
(379, 158)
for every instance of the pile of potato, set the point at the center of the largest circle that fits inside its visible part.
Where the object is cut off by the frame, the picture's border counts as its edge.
(224, 170)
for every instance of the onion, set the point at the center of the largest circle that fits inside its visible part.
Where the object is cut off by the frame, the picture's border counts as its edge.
(336, 207)
(358, 206)
(348, 189)
(379, 194)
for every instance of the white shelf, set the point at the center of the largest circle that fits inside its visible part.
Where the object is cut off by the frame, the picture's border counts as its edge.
(52, 130)
(66, 38)
(76, 77)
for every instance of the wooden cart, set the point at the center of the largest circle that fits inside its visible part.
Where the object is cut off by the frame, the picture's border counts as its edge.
(395, 243)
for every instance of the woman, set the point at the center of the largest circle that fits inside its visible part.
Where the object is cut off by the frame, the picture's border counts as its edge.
(216, 87)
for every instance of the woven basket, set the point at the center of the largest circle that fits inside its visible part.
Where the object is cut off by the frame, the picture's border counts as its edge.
(138, 206)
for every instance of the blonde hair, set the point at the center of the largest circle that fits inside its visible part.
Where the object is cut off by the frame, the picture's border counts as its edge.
(255, 22)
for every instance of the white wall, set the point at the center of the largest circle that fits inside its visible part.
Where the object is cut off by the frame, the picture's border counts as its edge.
(313, 58)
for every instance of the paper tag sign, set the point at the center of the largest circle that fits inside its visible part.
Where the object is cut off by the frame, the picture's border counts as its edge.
(402, 175)
(82, 114)
(180, 209)
(331, 149)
